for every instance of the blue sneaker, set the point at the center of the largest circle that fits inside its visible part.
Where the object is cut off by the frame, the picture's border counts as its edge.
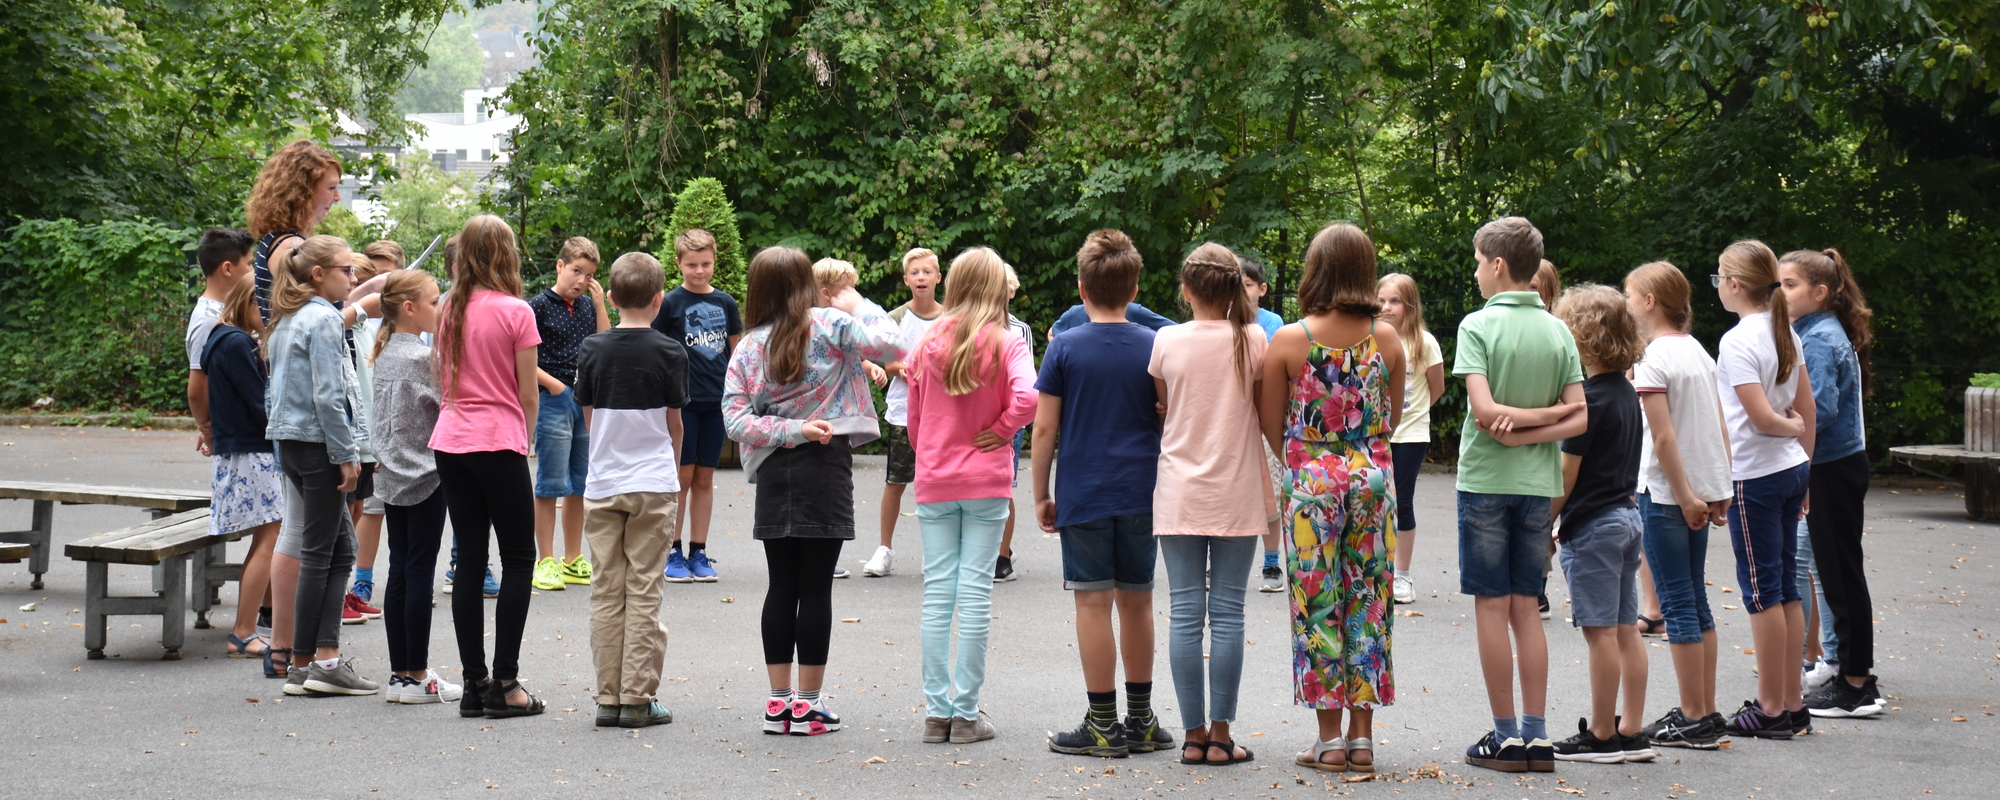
(677, 567)
(698, 564)
(492, 585)
(364, 590)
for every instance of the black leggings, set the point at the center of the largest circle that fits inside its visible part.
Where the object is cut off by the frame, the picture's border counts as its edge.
(798, 608)
(1409, 460)
(490, 490)
(415, 534)
(1839, 488)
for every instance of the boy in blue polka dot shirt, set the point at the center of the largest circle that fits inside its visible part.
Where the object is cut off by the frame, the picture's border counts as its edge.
(564, 315)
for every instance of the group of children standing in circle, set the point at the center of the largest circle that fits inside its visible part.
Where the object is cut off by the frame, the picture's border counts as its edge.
(1152, 443)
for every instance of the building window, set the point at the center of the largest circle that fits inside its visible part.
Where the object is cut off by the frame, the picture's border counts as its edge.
(461, 155)
(486, 155)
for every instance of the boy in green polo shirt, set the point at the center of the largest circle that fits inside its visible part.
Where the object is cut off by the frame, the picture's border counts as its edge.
(1525, 383)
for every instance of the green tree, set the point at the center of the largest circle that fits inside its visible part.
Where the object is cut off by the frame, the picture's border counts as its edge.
(453, 62)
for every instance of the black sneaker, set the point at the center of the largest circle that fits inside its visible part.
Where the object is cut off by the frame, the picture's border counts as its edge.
(1541, 756)
(1003, 571)
(1674, 729)
(1090, 740)
(1750, 720)
(1840, 699)
(1718, 727)
(1144, 735)
(1637, 747)
(1586, 747)
(1801, 721)
(1542, 602)
(1510, 755)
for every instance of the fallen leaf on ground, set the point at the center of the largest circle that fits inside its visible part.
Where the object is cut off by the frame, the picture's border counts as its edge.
(852, 619)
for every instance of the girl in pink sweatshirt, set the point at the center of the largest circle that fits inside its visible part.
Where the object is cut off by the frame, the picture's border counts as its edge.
(972, 385)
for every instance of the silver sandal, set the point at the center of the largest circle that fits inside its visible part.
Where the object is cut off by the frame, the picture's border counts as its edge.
(1309, 757)
(1360, 743)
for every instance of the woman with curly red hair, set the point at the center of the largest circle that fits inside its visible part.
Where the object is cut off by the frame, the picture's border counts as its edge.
(293, 192)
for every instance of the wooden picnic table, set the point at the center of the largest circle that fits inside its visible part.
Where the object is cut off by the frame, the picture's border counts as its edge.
(161, 502)
(1982, 473)
(173, 543)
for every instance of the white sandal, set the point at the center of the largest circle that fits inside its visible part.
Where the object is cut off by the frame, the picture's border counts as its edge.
(1360, 743)
(1309, 757)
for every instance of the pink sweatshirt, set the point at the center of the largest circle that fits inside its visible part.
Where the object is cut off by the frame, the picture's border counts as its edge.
(941, 425)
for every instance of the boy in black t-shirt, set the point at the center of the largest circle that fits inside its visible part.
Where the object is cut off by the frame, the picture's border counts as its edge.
(631, 382)
(1601, 527)
(705, 321)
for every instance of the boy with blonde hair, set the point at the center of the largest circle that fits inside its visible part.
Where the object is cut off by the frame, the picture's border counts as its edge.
(705, 321)
(564, 317)
(913, 319)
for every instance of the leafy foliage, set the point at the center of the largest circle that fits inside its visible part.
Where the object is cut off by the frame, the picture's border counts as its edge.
(453, 61)
(702, 204)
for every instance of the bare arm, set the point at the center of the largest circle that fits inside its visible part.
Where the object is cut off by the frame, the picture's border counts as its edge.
(1766, 419)
(197, 393)
(1572, 464)
(674, 426)
(603, 308)
(547, 381)
(1042, 456)
(1391, 346)
(1487, 413)
(1160, 391)
(524, 374)
(1273, 396)
(586, 420)
(1571, 424)
(1807, 410)
(1435, 377)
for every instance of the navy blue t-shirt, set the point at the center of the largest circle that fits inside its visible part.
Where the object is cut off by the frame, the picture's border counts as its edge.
(564, 324)
(702, 323)
(1109, 447)
(1134, 312)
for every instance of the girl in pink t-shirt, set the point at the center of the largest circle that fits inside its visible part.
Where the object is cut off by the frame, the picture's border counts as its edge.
(1213, 494)
(486, 372)
(972, 385)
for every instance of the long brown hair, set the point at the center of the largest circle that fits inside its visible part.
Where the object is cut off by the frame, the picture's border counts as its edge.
(1755, 268)
(281, 199)
(779, 292)
(1669, 288)
(1411, 329)
(1340, 274)
(1844, 298)
(1549, 284)
(403, 286)
(975, 310)
(488, 258)
(1214, 277)
(291, 275)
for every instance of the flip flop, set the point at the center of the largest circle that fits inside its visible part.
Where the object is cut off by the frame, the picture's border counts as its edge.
(1229, 749)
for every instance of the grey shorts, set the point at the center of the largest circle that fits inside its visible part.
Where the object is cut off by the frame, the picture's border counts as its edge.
(291, 530)
(1601, 564)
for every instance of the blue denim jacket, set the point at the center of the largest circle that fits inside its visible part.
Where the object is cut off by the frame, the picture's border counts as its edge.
(1836, 386)
(314, 396)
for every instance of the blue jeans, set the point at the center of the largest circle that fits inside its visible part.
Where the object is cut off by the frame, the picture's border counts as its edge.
(1206, 579)
(562, 446)
(1678, 555)
(961, 547)
(1503, 544)
(1809, 571)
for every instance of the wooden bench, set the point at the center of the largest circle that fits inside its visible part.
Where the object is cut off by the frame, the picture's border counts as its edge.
(14, 553)
(177, 543)
(1982, 473)
(46, 495)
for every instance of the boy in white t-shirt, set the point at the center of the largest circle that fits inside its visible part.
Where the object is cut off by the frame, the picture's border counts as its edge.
(914, 318)
(631, 382)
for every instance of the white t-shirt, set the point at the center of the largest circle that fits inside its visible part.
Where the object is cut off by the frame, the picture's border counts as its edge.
(364, 371)
(1679, 367)
(201, 323)
(1416, 423)
(1749, 355)
(913, 329)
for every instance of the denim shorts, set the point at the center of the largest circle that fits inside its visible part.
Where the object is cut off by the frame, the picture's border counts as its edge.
(1763, 530)
(1503, 542)
(1601, 564)
(1678, 556)
(702, 434)
(1116, 552)
(562, 446)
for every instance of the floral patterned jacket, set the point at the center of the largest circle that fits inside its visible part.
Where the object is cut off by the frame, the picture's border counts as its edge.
(763, 415)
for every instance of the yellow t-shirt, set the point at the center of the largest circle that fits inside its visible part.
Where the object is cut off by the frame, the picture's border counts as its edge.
(1416, 423)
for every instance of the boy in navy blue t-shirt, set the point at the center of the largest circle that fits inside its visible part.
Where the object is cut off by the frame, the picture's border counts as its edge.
(1098, 397)
(704, 320)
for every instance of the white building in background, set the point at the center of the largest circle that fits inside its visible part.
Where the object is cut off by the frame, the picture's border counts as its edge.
(474, 139)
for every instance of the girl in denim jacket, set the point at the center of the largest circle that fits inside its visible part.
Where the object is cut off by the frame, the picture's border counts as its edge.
(314, 408)
(1832, 323)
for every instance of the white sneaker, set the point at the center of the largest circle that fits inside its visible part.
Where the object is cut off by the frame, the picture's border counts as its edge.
(1402, 591)
(879, 564)
(1817, 677)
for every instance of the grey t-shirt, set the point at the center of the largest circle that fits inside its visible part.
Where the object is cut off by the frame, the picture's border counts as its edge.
(201, 323)
(405, 412)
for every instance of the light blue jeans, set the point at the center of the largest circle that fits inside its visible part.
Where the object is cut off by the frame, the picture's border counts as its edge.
(1206, 579)
(961, 546)
(1816, 592)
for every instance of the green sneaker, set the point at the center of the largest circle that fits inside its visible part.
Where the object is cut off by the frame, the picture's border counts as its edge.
(644, 714)
(548, 575)
(577, 571)
(607, 715)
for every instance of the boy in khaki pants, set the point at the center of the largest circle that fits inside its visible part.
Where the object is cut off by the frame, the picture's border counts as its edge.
(631, 382)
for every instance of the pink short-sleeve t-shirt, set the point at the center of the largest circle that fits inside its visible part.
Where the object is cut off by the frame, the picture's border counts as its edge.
(1212, 478)
(483, 411)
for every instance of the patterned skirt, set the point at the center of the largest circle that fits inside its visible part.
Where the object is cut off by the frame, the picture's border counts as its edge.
(248, 491)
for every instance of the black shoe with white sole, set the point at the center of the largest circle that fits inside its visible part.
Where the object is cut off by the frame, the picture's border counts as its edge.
(1637, 747)
(1840, 700)
(1587, 748)
(1675, 729)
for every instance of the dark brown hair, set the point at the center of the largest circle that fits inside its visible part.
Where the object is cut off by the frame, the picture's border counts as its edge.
(1340, 274)
(1514, 240)
(1844, 298)
(1669, 289)
(780, 294)
(1606, 334)
(1755, 269)
(636, 278)
(1213, 277)
(488, 258)
(1107, 265)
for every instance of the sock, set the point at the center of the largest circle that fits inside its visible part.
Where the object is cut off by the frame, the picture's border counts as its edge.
(1103, 709)
(697, 546)
(1403, 573)
(331, 663)
(1533, 727)
(782, 694)
(1506, 728)
(810, 697)
(677, 545)
(1270, 558)
(1139, 700)
(362, 574)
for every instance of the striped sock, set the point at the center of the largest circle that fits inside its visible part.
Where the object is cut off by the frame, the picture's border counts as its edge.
(782, 694)
(1103, 709)
(1139, 700)
(812, 696)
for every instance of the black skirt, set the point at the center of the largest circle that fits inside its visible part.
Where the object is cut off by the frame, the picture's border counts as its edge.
(806, 492)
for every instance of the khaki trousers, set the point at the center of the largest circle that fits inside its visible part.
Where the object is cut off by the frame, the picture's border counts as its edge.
(629, 535)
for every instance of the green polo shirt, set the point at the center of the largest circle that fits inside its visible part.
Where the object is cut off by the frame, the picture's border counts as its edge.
(1527, 356)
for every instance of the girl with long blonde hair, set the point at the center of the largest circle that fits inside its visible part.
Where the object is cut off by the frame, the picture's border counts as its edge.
(1423, 382)
(971, 388)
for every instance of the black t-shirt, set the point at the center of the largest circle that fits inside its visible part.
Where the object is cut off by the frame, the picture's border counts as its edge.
(703, 324)
(1610, 451)
(631, 368)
